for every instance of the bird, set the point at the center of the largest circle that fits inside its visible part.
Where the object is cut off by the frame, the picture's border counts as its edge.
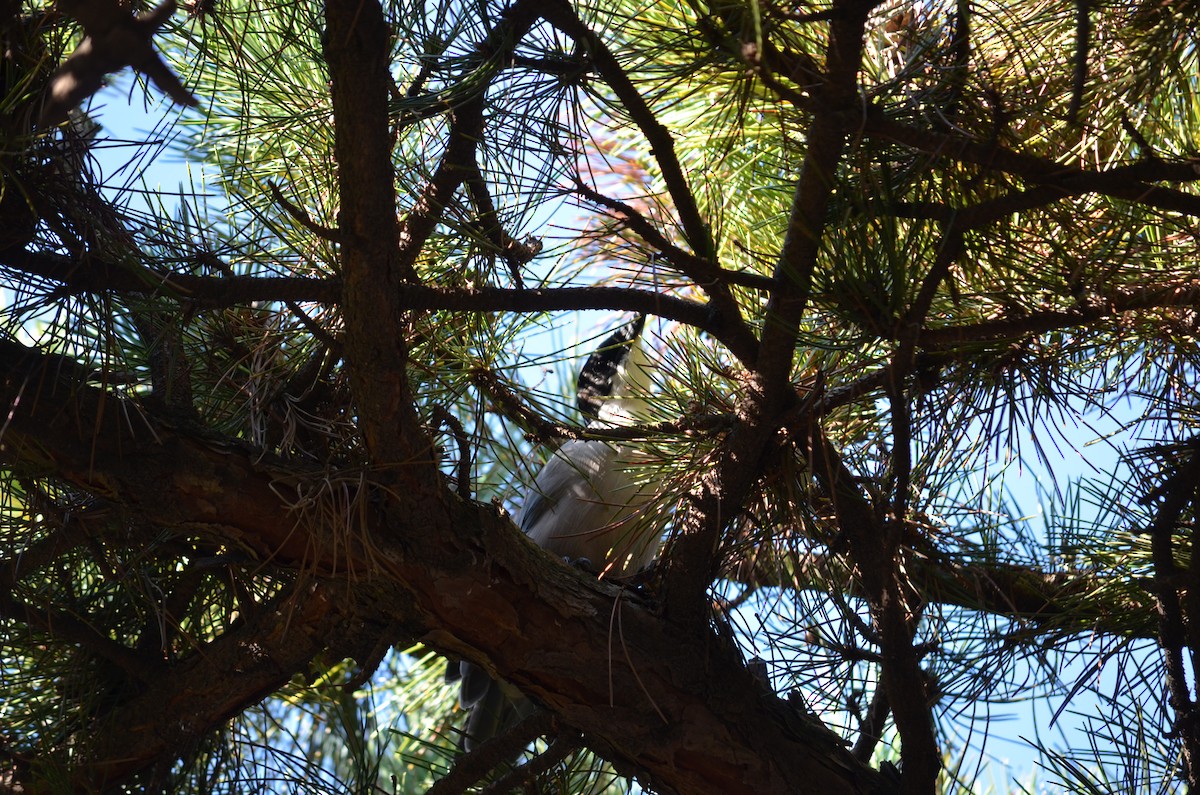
(585, 505)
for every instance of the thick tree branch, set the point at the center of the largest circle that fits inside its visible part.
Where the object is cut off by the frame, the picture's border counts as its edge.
(874, 544)
(725, 734)
(489, 299)
(98, 275)
(357, 52)
(88, 437)
(182, 705)
(825, 141)
(724, 487)
(1181, 488)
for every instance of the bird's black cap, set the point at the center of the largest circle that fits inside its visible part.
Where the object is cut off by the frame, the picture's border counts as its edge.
(598, 376)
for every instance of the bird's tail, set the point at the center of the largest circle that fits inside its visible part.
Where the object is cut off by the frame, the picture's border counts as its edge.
(494, 707)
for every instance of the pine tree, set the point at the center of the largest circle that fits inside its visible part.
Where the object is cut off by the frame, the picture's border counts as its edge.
(261, 439)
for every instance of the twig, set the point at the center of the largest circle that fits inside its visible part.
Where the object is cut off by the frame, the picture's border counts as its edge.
(561, 15)
(1083, 36)
(1131, 182)
(870, 730)
(303, 218)
(490, 754)
(447, 419)
(515, 253)
(562, 747)
(66, 627)
(115, 39)
(615, 617)
(542, 430)
(465, 133)
(370, 662)
(699, 269)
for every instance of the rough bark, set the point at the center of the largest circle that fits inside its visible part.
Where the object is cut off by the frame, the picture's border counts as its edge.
(676, 707)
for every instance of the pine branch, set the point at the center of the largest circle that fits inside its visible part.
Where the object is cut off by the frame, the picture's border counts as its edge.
(181, 705)
(1063, 603)
(561, 15)
(414, 571)
(1131, 182)
(98, 275)
(115, 39)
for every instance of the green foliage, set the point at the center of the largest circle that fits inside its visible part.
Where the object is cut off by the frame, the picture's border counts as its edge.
(1004, 273)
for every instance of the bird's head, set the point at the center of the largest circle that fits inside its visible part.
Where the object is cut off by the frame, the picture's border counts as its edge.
(615, 379)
